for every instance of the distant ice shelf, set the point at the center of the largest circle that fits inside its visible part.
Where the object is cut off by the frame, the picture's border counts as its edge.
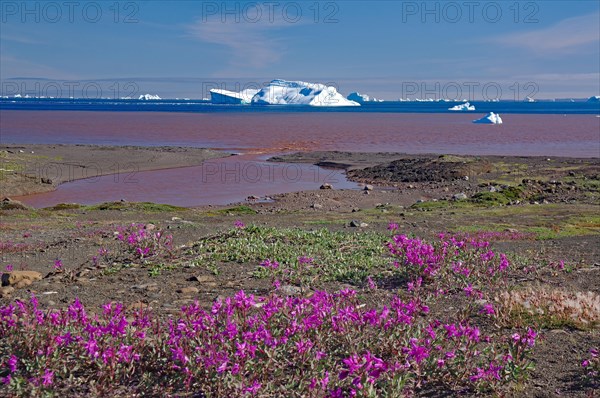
(149, 97)
(463, 107)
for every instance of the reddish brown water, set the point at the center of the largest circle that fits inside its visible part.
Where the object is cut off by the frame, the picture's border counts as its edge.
(265, 133)
(217, 181)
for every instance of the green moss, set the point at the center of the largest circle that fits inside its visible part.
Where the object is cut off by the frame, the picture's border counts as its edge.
(64, 206)
(237, 210)
(490, 198)
(503, 197)
(340, 256)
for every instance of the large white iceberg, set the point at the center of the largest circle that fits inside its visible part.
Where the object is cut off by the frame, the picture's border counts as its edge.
(490, 118)
(149, 97)
(283, 92)
(463, 107)
(361, 98)
(595, 98)
(219, 96)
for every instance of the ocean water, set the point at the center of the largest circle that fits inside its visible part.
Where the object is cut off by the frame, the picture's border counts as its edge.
(529, 129)
(203, 106)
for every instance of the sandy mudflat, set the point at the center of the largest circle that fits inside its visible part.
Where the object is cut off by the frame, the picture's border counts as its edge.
(27, 169)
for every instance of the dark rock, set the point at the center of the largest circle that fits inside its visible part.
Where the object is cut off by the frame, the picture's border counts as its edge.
(10, 204)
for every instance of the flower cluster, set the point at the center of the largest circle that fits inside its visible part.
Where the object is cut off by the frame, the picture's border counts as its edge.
(448, 264)
(144, 241)
(325, 345)
(591, 365)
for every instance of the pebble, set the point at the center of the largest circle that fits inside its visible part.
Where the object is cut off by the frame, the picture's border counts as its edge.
(202, 278)
(459, 196)
(290, 290)
(188, 290)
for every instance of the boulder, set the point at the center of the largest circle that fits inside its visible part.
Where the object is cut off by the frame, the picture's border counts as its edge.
(19, 279)
(10, 204)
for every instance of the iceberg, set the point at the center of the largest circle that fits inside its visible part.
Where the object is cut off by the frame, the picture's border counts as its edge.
(490, 118)
(361, 98)
(529, 99)
(283, 92)
(220, 96)
(595, 98)
(147, 97)
(462, 107)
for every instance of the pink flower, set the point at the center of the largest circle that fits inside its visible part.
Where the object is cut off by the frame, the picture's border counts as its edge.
(305, 260)
(488, 309)
(270, 264)
(12, 363)
(9, 268)
(253, 389)
(239, 224)
(530, 337)
(468, 290)
(304, 345)
(418, 353)
(58, 265)
(372, 285)
(48, 378)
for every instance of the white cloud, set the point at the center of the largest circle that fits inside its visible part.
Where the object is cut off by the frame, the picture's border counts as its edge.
(12, 66)
(567, 36)
(251, 45)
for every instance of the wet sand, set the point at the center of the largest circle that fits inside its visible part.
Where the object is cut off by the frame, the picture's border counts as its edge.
(29, 169)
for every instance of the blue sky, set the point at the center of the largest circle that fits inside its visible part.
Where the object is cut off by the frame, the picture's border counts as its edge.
(385, 48)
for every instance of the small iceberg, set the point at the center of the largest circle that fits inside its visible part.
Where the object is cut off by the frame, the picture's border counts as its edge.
(595, 98)
(529, 99)
(361, 98)
(463, 107)
(490, 118)
(147, 97)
